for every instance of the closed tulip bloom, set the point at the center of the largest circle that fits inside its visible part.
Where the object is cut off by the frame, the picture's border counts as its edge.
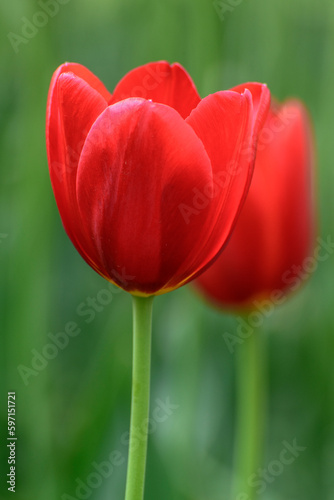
(274, 235)
(149, 180)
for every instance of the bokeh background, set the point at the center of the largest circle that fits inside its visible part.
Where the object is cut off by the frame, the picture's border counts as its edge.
(73, 411)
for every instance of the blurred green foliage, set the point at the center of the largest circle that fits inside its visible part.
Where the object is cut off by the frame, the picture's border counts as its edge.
(75, 411)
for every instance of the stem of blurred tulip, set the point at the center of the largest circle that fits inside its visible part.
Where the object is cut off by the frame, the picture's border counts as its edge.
(251, 413)
(140, 401)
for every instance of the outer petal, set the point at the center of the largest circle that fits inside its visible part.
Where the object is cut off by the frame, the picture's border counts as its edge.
(223, 122)
(139, 163)
(53, 134)
(275, 231)
(83, 73)
(261, 101)
(228, 125)
(160, 82)
(74, 106)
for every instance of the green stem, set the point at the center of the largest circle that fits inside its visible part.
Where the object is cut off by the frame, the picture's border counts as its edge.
(251, 409)
(140, 401)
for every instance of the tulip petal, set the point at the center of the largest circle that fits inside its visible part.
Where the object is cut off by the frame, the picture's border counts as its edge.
(75, 106)
(83, 73)
(53, 139)
(223, 122)
(139, 164)
(228, 126)
(162, 83)
(261, 102)
(79, 106)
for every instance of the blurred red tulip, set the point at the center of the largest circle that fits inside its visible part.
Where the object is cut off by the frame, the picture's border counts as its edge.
(149, 180)
(274, 235)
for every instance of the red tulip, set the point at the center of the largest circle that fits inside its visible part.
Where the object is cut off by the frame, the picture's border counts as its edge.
(275, 231)
(149, 180)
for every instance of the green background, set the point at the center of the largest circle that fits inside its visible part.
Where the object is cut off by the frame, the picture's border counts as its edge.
(75, 411)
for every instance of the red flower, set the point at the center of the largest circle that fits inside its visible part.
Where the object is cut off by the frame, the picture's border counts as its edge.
(149, 180)
(275, 231)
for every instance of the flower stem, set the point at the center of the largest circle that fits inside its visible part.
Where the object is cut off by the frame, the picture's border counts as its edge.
(140, 401)
(251, 406)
